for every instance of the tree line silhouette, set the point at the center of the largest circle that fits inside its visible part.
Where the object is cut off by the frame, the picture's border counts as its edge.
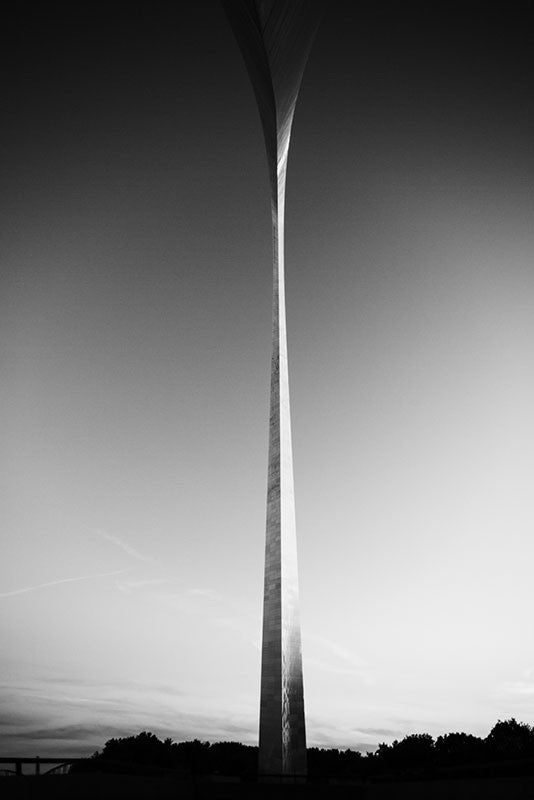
(507, 750)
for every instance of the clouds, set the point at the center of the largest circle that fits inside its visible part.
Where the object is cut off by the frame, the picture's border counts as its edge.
(143, 583)
(521, 690)
(329, 656)
(324, 732)
(73, 716)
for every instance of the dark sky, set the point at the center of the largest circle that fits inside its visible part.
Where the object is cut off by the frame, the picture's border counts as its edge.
(135, 316)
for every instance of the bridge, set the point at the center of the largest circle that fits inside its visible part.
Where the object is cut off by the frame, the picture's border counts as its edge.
(61, 765)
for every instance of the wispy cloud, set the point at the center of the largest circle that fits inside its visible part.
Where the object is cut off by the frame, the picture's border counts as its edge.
(379, 731)
(332, 657)
(85, 737)
(130, 586)
(520, 688)
(210, 594)
(46, 585)
(323, 732)
(326, 666)
(126, 547)
(338, 650)
(45, 718)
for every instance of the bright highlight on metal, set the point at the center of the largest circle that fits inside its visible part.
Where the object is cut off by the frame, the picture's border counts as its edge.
(275, 37)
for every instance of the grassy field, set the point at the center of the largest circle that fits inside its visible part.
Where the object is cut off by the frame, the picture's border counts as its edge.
(125, 787)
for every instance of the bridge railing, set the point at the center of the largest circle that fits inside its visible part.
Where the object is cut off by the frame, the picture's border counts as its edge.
(60, 764)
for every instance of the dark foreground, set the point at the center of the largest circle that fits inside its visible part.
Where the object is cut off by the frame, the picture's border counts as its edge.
(129, 787)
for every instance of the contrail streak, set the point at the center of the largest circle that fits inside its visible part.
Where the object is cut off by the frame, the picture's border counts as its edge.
(118, 542)
(63, 580)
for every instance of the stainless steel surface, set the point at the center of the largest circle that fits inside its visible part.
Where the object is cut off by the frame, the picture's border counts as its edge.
(275, 37)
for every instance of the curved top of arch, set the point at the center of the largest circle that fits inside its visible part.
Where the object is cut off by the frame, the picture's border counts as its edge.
(275, 38)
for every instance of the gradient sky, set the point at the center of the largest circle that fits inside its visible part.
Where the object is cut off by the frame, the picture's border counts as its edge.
(135, 339)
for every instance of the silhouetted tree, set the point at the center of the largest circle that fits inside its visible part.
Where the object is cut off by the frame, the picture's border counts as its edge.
(453, 749)
(334, 763)
(145, 748)
(510, 739)
(226, 758)
(415, 750)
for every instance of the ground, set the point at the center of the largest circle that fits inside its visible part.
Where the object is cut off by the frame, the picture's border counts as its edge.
(115, 787)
